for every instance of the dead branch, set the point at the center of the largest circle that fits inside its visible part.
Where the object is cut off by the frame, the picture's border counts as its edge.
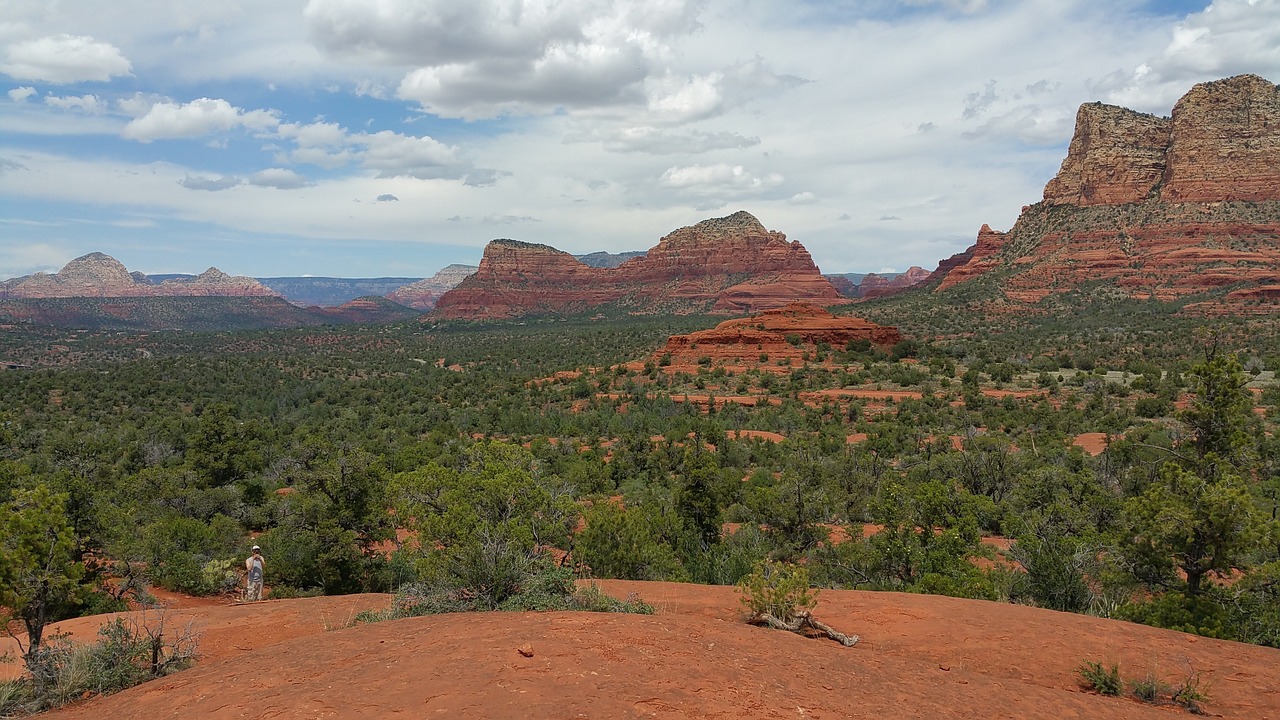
(802, 621)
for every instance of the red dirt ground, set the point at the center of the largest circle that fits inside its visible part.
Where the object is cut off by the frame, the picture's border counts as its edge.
(920, 657)
(1092, 443)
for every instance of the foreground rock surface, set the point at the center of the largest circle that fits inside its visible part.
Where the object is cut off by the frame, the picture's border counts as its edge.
(725, 265)
(920, 656)
(1151, 207)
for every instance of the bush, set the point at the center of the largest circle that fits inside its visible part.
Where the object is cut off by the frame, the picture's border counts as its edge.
(1099, 679)
(1149, 689)
(546, 587)
(778, 589)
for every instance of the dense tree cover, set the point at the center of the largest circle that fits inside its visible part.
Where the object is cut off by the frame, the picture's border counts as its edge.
(364, 458)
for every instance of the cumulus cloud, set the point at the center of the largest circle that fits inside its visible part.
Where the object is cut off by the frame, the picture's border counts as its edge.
(387, 154)
(65, 59)
(803, 198)
(168, 120)
(1229, 37)
(90, 104)
(279, 178)
(391, 154)
(386, 197)
(718, 178)
(491, 57)
(209, 183)
(20, 94)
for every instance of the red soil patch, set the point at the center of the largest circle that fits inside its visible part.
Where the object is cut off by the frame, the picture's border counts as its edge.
(761, 434)
(1093, 443)
(920, 657)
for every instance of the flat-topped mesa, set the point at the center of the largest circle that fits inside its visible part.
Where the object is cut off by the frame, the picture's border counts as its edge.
(102, 276)
(730, 264)
(788, 331)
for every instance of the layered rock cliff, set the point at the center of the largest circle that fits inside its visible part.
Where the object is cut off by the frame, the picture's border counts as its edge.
(727, 265)
(422, 295)
(97, 275)
(1156, 207)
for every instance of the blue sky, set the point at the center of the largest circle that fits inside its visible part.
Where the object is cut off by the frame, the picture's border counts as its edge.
(357, 138)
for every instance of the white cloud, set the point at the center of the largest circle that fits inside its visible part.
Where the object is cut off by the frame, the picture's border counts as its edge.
(20, 94)
(395, 155)
(1230, 37)
(90, 104)
(279, 178)
(718, 178)
(167, 120)
(65, 59)
(209, 183)
(493, 57)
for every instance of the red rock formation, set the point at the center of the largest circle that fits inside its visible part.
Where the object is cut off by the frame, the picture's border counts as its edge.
(785, 332)
(1156, 208)
(1226, 143)
(729, 265)
(424, 294)
(874, 286)
(977, 259)
(101, 276)
(1116, 156)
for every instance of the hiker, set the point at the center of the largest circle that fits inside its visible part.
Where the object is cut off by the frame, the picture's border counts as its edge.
(255, 566)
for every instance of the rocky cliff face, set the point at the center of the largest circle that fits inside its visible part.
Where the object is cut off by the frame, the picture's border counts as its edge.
(1158, 208)
(730, 264)
(422, 295)
(101, 276)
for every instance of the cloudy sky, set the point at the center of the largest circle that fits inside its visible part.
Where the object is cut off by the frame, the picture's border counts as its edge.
(364, 138)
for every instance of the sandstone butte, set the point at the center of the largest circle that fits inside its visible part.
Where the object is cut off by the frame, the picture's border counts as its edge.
(724, 265)
(424, 294)
(101, 276)
(1157, 207)
(785, 332)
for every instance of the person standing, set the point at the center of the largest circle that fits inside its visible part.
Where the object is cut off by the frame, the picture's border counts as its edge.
(254, 567)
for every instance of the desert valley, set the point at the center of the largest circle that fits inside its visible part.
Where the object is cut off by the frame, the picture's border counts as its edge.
(1040, 480)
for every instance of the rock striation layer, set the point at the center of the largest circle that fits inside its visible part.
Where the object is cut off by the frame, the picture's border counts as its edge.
(424, 294)
(97, 275)
(724, 265)
(1160, 208)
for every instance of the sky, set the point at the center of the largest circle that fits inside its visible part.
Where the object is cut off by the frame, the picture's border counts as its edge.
(367, 138)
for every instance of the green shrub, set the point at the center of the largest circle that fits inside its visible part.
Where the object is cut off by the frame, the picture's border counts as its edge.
(1101, 680)
(778, 589)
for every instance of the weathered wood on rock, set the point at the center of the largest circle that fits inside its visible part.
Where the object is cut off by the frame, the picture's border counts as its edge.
(802, 621)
